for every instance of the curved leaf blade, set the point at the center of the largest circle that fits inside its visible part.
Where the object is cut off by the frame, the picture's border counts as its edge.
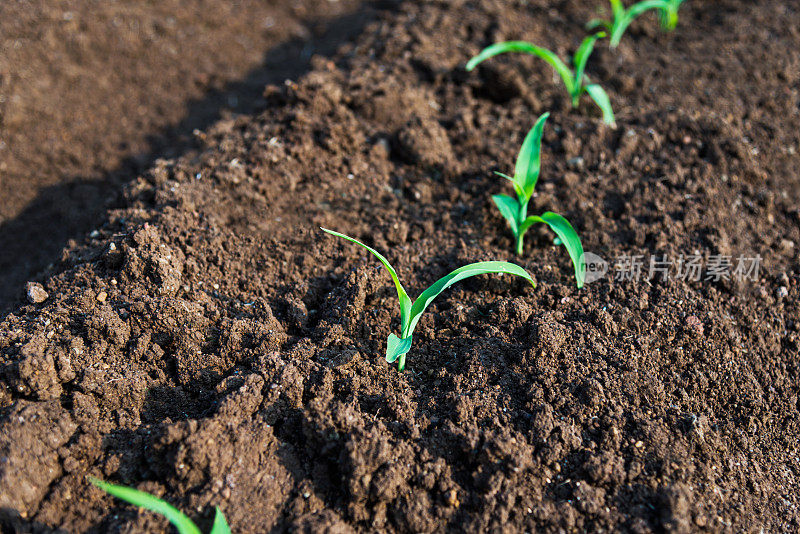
(669, 15)
(467, 271)
(529, 159)
(517, 189)
(530, 48)
(405, 301)
(582, 57)
(509, 209)
(569, 238)
(598, 23)
(396, 347)
(646, 5)
(600, 97)
(622, 22)
(182, 523)
(220, 525)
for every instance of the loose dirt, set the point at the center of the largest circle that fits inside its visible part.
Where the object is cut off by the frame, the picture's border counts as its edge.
(210, 345)
(91, 93)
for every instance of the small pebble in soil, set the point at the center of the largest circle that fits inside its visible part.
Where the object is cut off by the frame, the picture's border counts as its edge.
(783, 292)
(35, 293)
(102, 296)
(575, 163)
(694, 325)
(452, 498)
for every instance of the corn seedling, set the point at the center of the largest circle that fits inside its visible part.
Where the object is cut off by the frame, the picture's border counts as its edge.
(576, 81)
(515, 210)
(669, 15)
(410, 312)
(183, 524)
(623, 17)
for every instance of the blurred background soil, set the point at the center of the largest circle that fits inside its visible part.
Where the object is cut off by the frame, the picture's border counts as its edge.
(92, 92)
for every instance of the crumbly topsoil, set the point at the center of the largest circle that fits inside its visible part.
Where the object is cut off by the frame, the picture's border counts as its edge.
(92, 92)
(212, 346)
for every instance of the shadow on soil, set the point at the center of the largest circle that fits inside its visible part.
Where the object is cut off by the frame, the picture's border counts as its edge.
(32, 241)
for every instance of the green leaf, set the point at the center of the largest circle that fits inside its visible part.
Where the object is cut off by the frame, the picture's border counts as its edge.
(522, 46)
(622, 22)
(396, 347)
(473, 269)
(568, 236)
(529, 159)
(669, 15)
(617, 9)
(220, 525)
(509, 209)
(600, 97)
(405, 301)
(149, 502)
(517, 188)
(581, 57)
(598, 23)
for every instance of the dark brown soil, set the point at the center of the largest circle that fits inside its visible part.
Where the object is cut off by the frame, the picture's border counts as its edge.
(91, 93)
(208, 344)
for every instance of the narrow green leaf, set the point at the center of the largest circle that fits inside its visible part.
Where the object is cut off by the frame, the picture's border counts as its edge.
(405, 301)
(598, 23)
(149, 502)
(522, 46)
(473, 269)
(220, 525)
(617, 9)
(568, 236)
(396, 347)
(600, 97)
(621, 23)
(582, 56)
(646, 5)
(529, 159)
(669, 15)
(517, 189)
(509, 209)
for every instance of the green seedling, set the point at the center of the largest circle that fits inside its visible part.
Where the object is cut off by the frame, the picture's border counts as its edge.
(576, 81)
(669, 14)
(183, 524)
(515, 210)
(623, 17)
(410, 312)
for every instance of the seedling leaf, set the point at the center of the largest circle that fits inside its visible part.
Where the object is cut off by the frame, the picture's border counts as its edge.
(473, 269)
(598, 23)
(529, 159)
(582, 56)
(523, 46)
(515, 211)
(600, 98)
(398, 346)
(520, 192)
(509, 209)
(624, 17)
(576, 82)
(220, 525)
(669, 15)
(617, 8)
(405, 301)
(154, 504)
(568, 236)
